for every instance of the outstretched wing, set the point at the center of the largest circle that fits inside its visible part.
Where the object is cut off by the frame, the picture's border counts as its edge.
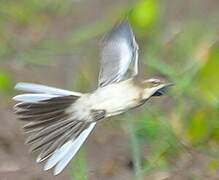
(118, 52)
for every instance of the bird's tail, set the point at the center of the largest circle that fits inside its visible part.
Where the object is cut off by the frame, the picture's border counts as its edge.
(52, 131)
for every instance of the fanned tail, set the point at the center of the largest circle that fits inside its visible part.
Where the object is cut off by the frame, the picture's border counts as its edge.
(54, 133)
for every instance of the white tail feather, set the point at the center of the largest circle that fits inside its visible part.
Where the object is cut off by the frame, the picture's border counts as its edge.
(71, 151)
(33, 98)
(58, 155)
(37, 88)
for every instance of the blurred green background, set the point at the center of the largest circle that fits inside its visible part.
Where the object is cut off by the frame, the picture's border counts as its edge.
(56, 43)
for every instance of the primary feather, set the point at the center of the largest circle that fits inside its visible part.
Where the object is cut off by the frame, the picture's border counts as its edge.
(119, 49)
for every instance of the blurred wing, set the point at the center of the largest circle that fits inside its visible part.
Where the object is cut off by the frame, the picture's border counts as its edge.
(119, 50)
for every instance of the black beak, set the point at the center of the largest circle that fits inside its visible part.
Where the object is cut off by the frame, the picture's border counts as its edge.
(162, 90)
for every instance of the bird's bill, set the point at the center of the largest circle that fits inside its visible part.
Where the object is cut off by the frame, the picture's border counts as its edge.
(163, 89)
(156, 91)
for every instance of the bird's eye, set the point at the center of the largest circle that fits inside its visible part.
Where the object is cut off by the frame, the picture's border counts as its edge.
(156, 82)
(153, 82)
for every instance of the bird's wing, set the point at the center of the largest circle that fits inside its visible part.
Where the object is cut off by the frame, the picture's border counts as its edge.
(119, 50)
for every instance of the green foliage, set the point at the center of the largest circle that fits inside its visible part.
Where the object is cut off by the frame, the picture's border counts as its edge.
(214, 165)
(148, 128)
(135, 149)
(5, 83)
(79, 169)
(198, 125)
(207, 77)
(144, 13)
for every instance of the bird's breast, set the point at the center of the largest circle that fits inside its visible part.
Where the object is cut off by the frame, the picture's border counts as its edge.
(113, 99)
(116, 98)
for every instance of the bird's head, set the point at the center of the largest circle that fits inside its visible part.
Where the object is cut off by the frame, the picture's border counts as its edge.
(154, 87)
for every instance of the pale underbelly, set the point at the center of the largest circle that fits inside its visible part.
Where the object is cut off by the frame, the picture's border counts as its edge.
(117, 106)
(113, 99)
(116, 103)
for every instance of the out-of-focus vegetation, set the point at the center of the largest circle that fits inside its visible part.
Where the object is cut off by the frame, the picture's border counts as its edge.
(178, 41)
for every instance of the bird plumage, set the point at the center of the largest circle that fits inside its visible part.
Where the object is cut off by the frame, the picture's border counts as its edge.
(119, 49)
(59, 121)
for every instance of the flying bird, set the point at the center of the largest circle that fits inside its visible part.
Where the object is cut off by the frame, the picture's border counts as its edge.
(59, 121)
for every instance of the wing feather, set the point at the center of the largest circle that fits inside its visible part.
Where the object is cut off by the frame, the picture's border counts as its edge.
(118, 51)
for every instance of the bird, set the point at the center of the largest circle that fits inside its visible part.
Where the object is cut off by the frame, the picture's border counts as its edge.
(58, 122)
